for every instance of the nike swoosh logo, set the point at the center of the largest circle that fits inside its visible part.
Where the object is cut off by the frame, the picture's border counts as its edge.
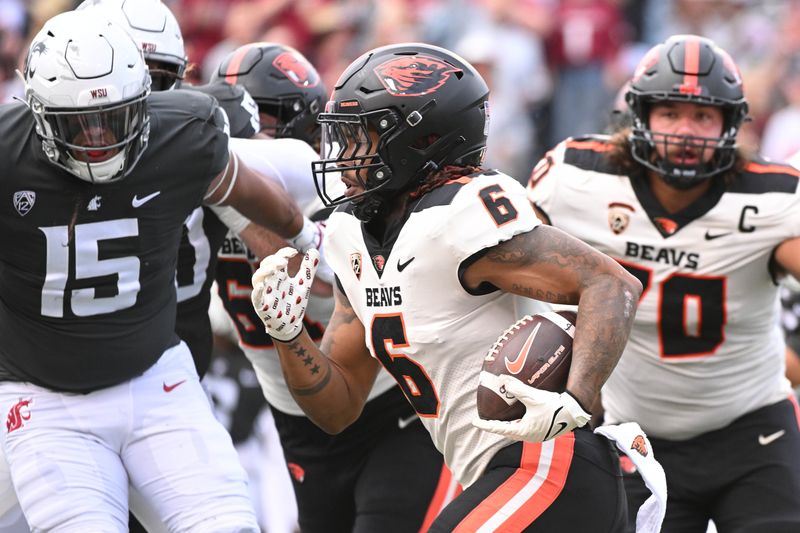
(170, 388)
(711, 237)
(515, 366)
(561, 427)
(402, 266)
(769, 439)
(403, 423)
(139, 202)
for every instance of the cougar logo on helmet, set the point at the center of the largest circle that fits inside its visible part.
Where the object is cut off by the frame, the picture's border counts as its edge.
(296, 69)
(640, 446)
(37, 49)
(414, 75)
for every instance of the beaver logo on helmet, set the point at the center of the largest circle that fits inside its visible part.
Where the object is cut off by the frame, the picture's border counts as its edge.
(414, 75)
(297, 69)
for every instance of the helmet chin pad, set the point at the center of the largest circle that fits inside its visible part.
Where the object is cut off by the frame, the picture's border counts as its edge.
(99, 172)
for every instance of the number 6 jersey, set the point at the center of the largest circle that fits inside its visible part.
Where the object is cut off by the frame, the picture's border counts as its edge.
(706, 346)
(425, 328)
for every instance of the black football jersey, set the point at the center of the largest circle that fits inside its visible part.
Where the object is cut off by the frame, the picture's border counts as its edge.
(87, 282)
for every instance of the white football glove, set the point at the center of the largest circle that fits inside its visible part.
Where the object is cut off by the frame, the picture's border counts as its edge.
(279, 300)
(547, 414)
(310, 237)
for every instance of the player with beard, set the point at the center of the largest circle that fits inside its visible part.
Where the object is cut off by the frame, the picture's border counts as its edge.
(98, 390)
(428, 250)
(709, 231)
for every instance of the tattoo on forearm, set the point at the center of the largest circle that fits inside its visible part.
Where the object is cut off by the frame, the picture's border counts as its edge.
(539, 294)
(614, 305)
(315, 368)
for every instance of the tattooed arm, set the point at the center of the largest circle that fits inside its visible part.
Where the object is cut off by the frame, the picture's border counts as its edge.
(331, 383)
(549, 265)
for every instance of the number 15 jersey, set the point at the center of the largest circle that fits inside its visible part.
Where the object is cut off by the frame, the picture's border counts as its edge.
(706, 347)
(425, 328)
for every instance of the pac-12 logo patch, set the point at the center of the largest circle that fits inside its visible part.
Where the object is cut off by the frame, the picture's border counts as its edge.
(619, 216)
(414, 75)
(23, 201)
(355, 264)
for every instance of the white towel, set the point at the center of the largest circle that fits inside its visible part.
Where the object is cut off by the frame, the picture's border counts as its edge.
(630, 438)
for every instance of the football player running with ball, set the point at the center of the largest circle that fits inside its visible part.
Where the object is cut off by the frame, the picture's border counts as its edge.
(708, 231)
(429, 249)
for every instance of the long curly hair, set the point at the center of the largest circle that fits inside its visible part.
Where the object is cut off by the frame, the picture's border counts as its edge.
(442, 176)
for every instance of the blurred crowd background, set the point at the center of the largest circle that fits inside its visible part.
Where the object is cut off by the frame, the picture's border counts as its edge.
(555, 67)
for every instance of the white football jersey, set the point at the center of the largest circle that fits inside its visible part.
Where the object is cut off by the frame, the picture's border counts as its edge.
(426, 329)
(706, 347)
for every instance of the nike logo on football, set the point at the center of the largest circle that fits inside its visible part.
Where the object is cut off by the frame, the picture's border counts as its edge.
(403, 423)
(139, 202)
(402, 266)
(772, 437)
(711, 237)
(170, 388)
(518, 363)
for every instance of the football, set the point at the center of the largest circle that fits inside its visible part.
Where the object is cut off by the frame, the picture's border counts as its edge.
(537, 350)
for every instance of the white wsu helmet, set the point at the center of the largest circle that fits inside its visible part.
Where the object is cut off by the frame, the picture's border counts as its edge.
(155, 30)
(86, 84)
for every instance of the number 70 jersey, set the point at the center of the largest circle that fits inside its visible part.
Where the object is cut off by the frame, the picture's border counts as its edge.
(426, 329)
(705, 346)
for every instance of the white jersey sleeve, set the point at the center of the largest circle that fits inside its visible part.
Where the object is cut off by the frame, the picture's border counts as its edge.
(287, 160)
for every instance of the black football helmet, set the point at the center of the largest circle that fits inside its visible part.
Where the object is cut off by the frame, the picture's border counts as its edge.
(284, 85)
(686, 68)
(428, 107)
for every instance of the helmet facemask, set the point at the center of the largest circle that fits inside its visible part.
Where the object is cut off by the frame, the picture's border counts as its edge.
(644, 141)
(165, 75)
(292, 118)
(96, 144)
(350, 142)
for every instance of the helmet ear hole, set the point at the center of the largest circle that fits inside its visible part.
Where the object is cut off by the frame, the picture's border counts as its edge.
(425, 142)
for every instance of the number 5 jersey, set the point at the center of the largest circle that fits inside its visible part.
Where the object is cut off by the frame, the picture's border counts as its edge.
(706, 346)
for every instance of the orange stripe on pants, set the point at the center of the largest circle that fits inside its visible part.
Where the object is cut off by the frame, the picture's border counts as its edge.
(446, 491)
(793, 399)
(524, 496)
